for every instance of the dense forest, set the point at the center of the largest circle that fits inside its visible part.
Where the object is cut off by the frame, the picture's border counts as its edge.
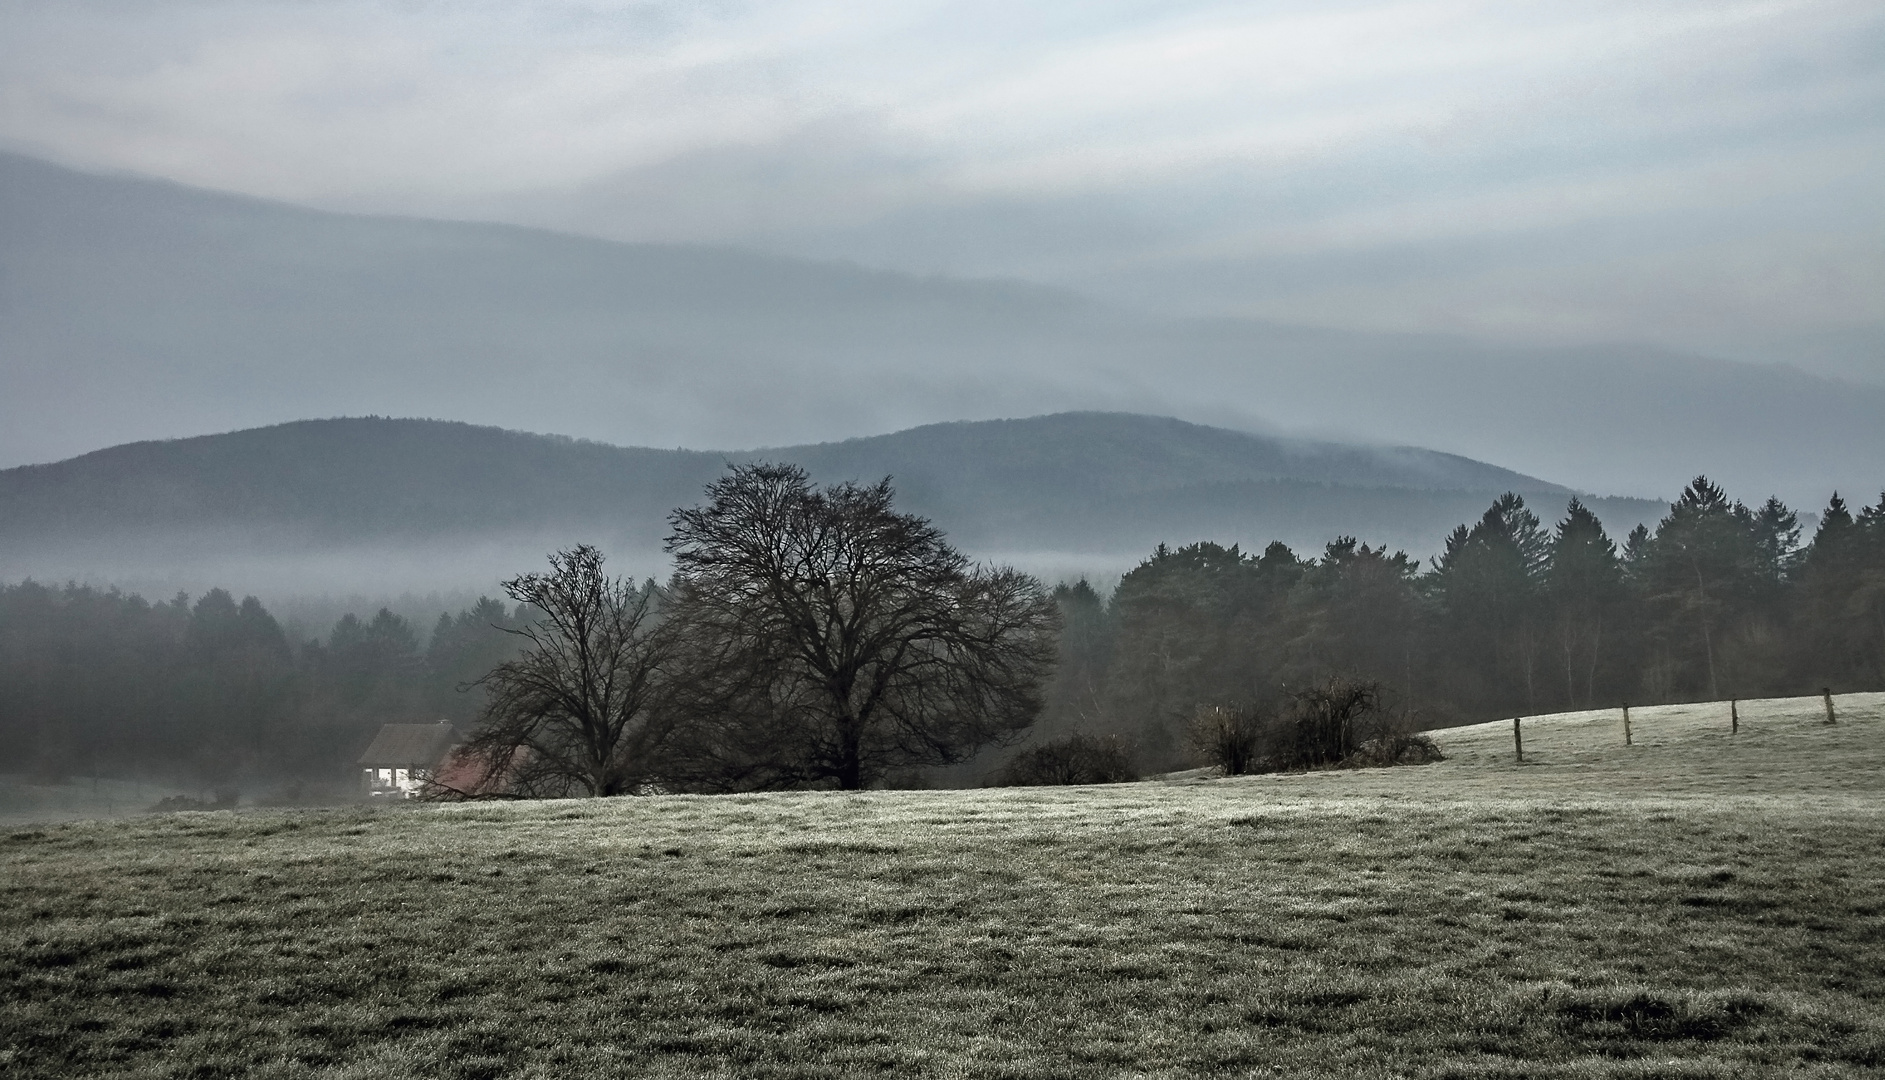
(213, 693)
(1516, 616)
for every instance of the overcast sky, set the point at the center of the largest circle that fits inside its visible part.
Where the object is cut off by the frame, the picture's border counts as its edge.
(1704, 175)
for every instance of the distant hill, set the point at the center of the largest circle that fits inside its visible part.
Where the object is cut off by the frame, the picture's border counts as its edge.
(133, 309)
(381, 503)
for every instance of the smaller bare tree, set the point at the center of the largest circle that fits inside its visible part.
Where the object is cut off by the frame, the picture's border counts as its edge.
(1327, 718)
(1073, 759)
(582, 711)
(1230, 737)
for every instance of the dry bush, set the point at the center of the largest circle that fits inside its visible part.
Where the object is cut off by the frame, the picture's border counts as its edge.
(226, 799)
(1230, 737)
(1326, 722)
(1073, 759)
(1338, 723)
(1394, 748)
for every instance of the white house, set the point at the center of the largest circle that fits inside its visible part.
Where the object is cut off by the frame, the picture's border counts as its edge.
(404, 757)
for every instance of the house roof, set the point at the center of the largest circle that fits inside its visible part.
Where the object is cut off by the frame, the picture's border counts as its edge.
(408, 745)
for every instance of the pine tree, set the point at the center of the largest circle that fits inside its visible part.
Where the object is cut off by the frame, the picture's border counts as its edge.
(1489, 582)
(1583, 584)
(1777, 535)
(1702, 571)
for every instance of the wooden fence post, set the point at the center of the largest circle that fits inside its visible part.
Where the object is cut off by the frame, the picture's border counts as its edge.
(1827, 693)
(1626, 723)
(1518, 741)
(1734, 716)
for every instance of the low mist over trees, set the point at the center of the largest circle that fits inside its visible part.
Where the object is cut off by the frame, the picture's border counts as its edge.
(818, 637)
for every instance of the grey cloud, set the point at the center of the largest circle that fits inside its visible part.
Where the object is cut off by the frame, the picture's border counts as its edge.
(1702, 177)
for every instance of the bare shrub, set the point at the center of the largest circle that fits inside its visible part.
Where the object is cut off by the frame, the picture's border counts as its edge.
(1394, 748)
(1230, 737)
(1341, 722)
(1326, 720)
(226, 799)
(1074, 759)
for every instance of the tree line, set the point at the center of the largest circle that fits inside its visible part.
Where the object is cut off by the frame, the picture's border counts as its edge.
(816, 637)
(1515, 616)
(808, 637)
(212, 692)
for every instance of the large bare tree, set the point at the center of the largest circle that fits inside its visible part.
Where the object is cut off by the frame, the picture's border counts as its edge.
(582, 711)
(833, 640)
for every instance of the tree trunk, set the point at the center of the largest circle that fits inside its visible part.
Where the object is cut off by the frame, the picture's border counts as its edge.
(1569, 640)
(1708, 647)
(1708, 640)
(1590, 679)
(850, 770)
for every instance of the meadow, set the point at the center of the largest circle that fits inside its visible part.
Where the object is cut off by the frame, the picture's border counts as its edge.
(1699, 904)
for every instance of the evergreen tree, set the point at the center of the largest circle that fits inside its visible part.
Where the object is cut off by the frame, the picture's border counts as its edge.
(1777, 536)
(1584, 586)
(1356, 615)
(234, 692)
(463, 649)
(1075, 696)
(1193, 626)
(1702, 571)
(1866, 607)
(1488, 582)
(1840, 612)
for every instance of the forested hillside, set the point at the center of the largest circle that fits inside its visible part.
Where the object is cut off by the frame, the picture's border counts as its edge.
(330, 505)
(135, 310)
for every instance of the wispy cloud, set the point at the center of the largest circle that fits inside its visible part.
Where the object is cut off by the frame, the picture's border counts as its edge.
(1365, 163)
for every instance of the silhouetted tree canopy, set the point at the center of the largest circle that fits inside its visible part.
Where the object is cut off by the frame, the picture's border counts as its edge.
(1513, 617)
(831, 639)
(583, 709)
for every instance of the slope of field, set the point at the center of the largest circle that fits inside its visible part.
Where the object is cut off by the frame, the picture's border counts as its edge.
(1696, 905)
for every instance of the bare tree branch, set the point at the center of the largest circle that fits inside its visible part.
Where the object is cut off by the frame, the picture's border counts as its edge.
(585, 709)
(833, 639)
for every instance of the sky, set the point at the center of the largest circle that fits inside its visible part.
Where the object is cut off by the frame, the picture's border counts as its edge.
(1703, 176)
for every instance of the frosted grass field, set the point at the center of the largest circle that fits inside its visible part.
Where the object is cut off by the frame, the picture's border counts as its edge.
(1696, 905)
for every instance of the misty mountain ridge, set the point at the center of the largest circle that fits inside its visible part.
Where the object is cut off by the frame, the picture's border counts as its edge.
(133, 308)
(448, 504)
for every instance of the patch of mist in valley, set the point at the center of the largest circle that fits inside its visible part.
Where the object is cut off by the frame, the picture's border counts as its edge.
(308, 586)
(355, 514)
(308, 590)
